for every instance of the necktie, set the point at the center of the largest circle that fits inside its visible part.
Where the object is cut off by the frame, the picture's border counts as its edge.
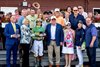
(14, 27)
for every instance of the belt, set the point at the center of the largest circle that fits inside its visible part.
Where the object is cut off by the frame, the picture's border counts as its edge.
(53, 40)
(38, 39)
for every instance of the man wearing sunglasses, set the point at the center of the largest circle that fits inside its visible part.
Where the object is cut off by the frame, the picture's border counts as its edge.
(82, 12)
(75, 17)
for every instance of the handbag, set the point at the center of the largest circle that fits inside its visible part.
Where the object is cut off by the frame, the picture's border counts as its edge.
(83, 45)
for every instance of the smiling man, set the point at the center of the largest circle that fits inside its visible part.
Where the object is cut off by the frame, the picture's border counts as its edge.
(91, 42)
(75, 17)
(12, 33)
(55, 37)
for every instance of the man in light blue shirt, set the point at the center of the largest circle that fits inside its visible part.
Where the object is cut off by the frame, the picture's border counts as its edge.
(21, 18)
(91, 42)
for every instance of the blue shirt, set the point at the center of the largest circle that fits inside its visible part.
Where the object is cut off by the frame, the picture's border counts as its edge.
(74, 20)
(90, 32)
(79, 36)
(20, 20)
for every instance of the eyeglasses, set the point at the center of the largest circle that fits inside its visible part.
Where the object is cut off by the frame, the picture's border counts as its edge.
(53, 19)
(75, 10)
(79, 8)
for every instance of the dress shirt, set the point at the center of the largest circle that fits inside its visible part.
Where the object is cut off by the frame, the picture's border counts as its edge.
(84, 15)
(53, 31)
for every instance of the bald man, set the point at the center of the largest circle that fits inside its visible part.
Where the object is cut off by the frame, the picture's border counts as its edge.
(12, 34)
(75, 17)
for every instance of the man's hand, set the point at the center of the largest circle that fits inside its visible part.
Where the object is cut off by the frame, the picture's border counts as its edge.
(18, 35)
(61, 43)
(91, 45)
(79, 47)
(13, 36)
(92, 42)
(41, 35)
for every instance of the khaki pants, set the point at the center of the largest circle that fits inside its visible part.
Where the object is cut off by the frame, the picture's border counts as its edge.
(56, 49)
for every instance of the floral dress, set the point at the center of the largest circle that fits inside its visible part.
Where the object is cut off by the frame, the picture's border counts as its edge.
(68, 47)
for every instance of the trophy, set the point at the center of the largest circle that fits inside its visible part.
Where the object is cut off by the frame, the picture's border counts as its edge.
(17, 33)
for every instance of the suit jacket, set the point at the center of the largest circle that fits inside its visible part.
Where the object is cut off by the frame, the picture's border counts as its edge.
(8, 32)
(59, 35)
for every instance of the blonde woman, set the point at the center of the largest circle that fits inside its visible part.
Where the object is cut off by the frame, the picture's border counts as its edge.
(68, 46)
(40, 16)
(25, 42)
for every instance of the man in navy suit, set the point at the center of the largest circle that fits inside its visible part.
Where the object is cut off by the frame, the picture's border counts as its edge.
(12, 33)
(55, 37)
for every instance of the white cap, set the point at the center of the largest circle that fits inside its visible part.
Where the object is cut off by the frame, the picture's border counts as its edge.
(57, 9)
(53, 17)
(66, 23)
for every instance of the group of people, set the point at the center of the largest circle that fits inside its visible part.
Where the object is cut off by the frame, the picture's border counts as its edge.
(51, 30)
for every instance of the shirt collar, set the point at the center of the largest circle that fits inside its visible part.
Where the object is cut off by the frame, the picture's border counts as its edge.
(53, 25)
(12, 23)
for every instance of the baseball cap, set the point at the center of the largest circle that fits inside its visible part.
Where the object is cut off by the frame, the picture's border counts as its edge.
(46, 12)
(80, 21)
(53, 17)
(57, 10)
(67, 23)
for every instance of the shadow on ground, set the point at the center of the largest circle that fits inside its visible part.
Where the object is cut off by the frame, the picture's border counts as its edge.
(85, 65)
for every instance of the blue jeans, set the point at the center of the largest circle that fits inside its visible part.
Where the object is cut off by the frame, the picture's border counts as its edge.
(91, 53)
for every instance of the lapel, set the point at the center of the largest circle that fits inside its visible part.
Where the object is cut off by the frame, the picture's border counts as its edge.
(16, 26)
(56, 28)
(50, 29)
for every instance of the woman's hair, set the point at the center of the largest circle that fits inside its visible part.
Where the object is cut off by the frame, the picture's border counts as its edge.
(24, 21)
(41, 16)
(70, 8)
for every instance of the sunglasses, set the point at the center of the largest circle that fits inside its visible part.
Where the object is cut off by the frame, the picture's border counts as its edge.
(75, 10)
(79, 8)
(53, 19)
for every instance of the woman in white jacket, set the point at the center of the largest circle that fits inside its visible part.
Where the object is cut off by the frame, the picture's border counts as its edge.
(25, 42)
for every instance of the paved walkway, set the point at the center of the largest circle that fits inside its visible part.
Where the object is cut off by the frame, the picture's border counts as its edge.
(85, 65)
